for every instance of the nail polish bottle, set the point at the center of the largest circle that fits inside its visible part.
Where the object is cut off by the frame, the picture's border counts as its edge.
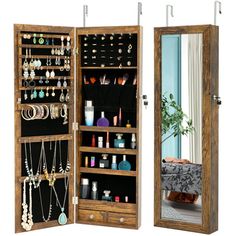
(106, 196)
(119, 142)
(133, 141)
(124, 165)
(104, 163)
(89, 113)
(103, 121)
(114, 164)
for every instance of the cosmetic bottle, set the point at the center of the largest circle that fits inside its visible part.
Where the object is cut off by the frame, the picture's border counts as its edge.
(107, 141)
(89, 113)
(84, 188)
(119, 142)
(128, 125)
(104, 163)
(126, 199)
(92, 161)
(103, 121)
(100, 142)
(106, 196)
(93, 142)
(114, 164)
(124, 165)
(94, 191)
(133, 141)
(117, 198)
(114, 120)
(120, 118)
(86, 161)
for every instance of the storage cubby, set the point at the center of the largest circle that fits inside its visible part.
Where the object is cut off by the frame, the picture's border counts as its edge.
(57, 70)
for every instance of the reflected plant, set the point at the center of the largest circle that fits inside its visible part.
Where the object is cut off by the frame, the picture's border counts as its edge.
(174, 120)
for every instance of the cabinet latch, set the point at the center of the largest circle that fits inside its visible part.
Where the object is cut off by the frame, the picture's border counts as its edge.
(75, 126)
(75, 200)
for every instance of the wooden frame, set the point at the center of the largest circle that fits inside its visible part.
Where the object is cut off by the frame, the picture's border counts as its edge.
(209, 135)
(113, 210)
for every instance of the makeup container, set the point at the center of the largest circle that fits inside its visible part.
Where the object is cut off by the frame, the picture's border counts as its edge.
(106, 196)
(100, 142)
(114, 164)
(94, 191)
(103, 121)
(119, 142)
(89, 113)
(104, 163)
(92, 161)
(84, 188)
(124, 165)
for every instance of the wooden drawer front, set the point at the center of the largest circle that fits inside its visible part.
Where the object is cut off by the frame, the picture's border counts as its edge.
(92, 216)
(122, 219)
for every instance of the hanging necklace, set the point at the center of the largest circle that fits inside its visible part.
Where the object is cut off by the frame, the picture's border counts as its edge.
(62, 219)
(27, 216)
(68, 166)
(35, 179)
(52, 177)
(50, 205)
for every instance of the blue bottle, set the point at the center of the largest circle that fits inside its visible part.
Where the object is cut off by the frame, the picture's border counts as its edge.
(114, 164)
(124, 165)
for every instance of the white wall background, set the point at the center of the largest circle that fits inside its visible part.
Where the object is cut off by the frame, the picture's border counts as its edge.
(121, 12)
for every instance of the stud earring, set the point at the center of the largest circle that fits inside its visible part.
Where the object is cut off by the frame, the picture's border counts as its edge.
(34, 39)
(47, 92)
(59, 82)
(67, 98)
(62, 96)
(53, 92)
(41, 93)
(41, 39)
(64, 83)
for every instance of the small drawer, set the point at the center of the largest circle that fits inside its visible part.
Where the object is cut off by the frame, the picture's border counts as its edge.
(92, 216)
(122, 219)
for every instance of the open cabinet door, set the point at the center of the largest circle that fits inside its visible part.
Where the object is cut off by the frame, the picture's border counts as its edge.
(44, 113)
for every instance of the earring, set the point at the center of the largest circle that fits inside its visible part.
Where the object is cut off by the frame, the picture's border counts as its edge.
(41, 39)
(59, 61)
(49, 61)
(59, 82)
(62, 46)
(47, 93)
(67, 98)
(47, 74)
(52, 51)
(68, 64)
(68, 44)
(32, 94)
(53, 92)
(129, 48)
(41, 93)
(64, 83)
(56, 62)
(25, 95)
(47, 42)
(41, 80)
(35, 94)
(52, 74)
(62, 96)
(34, 39)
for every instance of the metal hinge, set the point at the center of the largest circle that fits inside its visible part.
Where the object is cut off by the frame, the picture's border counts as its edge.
(75, 126)
(75, 200)
(76, 51)
(19, 100)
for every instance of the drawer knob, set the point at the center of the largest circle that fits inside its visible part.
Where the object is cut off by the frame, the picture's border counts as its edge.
(91, 217)
(122, 220)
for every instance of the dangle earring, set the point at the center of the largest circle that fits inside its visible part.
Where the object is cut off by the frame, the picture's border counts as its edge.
(35, 94)
(50, 61)
(52, 51)
(68, 45)
(34, 39)
(59, 61)
(53, 92)
(26, 66)
(41, 39)
(47, 42)
(59, 82)
(52, 74)
(68, 64)
(41, 93)
(56, 62)
(64, 83)
(67, 98)
(62, 46)
(47, 92)
(41, 80)
(25, 95)
(62, 96)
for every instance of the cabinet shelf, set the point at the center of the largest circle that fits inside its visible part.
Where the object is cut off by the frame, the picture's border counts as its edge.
(55, 77)
(54, 36)
(45, 138)
(108, 68)
(25, 105)
(39, 87)
(107, 171)
(108, 150)
(38, 46)
(45, 67)
(107, 129)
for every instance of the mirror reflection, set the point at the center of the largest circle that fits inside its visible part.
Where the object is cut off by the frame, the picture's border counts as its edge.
(181, 107)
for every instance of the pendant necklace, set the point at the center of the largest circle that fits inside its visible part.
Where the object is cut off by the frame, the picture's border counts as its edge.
(35, 179)
(68, 166)
(62, 219)
(52, 177)
(27, 216)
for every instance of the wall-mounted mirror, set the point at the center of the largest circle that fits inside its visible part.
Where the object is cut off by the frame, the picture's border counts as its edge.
(186, 122)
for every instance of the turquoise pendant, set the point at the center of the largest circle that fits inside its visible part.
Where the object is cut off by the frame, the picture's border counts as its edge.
(62, 219)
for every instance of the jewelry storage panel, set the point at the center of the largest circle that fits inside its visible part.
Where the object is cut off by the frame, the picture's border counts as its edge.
(44, 74)
(109, 81)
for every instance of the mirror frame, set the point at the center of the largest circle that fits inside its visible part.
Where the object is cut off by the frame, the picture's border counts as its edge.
(209, 129)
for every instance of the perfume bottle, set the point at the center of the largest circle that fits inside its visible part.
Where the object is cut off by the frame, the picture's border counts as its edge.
(100, 142)
(114, 164)
(106, 196)
(107, 141)
(93, 142)
(133, 141)
(84, 188)
(86, 161)
(120, 118)
(94, 191)
(124, 165)
(89, 113)
(103, 121)
(92, 161)
(119, 142)
(104, 163)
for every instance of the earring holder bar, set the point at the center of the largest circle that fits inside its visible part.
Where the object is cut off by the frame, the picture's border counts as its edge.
(45, 138)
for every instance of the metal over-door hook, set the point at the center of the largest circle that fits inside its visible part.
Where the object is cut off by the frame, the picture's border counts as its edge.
(145, 101)
(140, 11)
(217, 99)
(167, 13)
(85, 14)
(215, 10)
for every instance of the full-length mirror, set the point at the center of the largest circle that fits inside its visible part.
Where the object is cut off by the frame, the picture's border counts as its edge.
(181, 141)
(186, 128)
